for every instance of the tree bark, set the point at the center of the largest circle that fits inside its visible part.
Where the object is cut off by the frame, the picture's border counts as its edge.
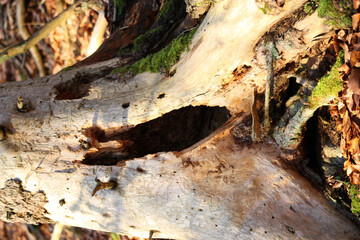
(165, 145)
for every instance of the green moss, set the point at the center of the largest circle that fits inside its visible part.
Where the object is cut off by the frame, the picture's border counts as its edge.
(338, 13)
(66, 69)
(165, 9)
(266, 8)
(355, 201)
(139, 41)
(121, 51)
(120, 5)
(328, 86)
(114, 236)
(310, 7)
(162, 60)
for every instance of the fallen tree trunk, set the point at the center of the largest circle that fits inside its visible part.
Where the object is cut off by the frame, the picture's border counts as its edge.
(158, 154)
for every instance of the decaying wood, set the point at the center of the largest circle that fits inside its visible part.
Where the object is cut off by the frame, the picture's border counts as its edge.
(176, 176)
(256, 128)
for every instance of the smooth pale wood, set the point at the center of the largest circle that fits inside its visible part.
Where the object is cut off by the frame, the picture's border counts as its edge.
(215, 189)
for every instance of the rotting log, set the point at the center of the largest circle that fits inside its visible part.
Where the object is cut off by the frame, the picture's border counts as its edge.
(166, 142)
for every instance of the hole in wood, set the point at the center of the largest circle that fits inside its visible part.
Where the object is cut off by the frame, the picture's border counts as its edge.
(76, 88)
(125, 105)
(174, 131)
(161, 96)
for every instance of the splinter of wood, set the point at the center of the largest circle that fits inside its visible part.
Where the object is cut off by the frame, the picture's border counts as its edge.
(255, 131)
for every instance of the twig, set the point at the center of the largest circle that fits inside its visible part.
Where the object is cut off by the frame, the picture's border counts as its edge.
(97, 34)
(20, 15)
(25, 45)
(57, 231)
(18, 64)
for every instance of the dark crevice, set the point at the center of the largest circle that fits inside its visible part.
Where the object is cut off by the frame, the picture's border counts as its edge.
(75, 88)
(174, 131)
(312, 149)
(125, 105)
(290, 89)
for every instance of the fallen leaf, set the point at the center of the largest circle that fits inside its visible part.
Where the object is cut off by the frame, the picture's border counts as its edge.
(337, 184)
(344, 68)
(342, 109)
(356, 168)
(347, 164)
(354, 80)
(355, 21)
(356, 4)
(355, 56)
(346, 54)
(354, 146)
(342, 35)
(356, 158)
(355, 179)
(336, 45)
(339, 127)
(355, 38)
(349, 170)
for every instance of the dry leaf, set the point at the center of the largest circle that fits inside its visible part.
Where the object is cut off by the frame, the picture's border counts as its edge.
(356, 4)
(339, 127)
(355, 38)
(337, 184)
(354, 81)
(355, 21)
(343, 149)
(355, 179)
(354, 146)
(356, 168)
(346, 54)
(344, 68)
(347, 164)
(355, 57)
(342, 109)
(356, 158)
(336, 45)
(349, 170)
(342, 35)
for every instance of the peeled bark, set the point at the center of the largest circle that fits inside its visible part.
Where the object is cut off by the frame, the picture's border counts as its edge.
(166, 144)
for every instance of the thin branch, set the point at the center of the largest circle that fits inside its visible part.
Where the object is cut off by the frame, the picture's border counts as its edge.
(20, 15)
(25, 45)
(97, 35)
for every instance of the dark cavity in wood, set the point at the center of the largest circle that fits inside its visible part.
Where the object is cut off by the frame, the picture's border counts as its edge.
(174, 131)
(76, 88)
